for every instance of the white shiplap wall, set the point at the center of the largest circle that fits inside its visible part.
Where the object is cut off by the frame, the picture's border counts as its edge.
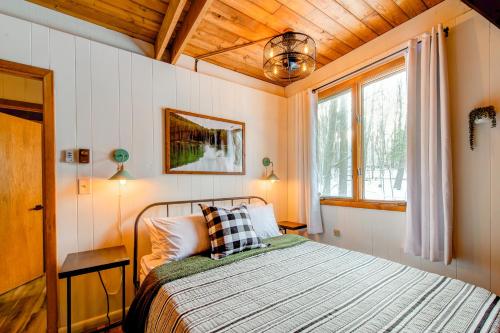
(107, 98)
(474, 68)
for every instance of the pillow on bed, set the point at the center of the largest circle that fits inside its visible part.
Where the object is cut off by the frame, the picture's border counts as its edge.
(230, 230)
(176, 238)
(263, 220)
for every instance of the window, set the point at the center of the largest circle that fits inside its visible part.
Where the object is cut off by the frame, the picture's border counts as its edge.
(335, 145)
(362, 140)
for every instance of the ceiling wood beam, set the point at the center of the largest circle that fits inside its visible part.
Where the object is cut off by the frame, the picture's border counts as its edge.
(172, 15)
(191, 21)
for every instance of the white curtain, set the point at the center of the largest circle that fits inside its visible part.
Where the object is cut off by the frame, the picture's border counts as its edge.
(303, 115)
(429, 208)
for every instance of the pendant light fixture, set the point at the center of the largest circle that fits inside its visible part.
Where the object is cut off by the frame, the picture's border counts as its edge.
(289, 57)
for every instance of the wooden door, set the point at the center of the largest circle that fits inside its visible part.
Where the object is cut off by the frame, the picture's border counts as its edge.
(21, 226)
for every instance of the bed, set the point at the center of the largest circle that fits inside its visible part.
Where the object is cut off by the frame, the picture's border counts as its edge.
(298, 285)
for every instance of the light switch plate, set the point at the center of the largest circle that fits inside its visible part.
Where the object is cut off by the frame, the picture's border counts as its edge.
(84, 186)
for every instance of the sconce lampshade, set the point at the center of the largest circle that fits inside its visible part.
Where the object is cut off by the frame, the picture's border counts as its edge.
(121, 174)
(272, 177)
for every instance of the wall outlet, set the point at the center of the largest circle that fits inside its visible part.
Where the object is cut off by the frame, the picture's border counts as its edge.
(84, 186)
(336, 232)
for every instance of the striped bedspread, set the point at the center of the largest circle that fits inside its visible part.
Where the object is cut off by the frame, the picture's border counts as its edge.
(314, 287)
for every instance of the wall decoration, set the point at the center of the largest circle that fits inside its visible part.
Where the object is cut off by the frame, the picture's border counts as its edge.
(476, 115)
(200, 144)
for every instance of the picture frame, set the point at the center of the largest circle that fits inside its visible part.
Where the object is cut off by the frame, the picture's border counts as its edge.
(202, 144)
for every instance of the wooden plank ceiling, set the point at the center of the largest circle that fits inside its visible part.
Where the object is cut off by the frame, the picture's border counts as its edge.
(197, 27)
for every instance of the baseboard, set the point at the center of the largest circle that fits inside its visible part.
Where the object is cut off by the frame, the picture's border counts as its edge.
(93, 322)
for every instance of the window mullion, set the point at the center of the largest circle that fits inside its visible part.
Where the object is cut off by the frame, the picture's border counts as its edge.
(359, 141)
(355, 142)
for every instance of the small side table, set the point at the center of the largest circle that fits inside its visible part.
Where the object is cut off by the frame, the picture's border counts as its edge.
(94, 261)
(288, 225)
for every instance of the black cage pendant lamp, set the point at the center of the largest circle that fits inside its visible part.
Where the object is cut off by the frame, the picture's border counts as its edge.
(289, 57)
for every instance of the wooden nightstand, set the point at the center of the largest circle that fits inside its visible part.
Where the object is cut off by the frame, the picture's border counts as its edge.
(94, 261)
(287, 225)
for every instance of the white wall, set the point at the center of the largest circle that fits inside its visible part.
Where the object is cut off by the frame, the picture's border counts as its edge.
(229, 75)
(474, 67)
(474, 75)
(106, 98)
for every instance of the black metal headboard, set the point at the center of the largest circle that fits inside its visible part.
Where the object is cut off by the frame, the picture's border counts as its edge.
(171, 203)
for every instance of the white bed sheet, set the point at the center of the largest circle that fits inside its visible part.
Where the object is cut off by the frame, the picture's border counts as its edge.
(148, 263)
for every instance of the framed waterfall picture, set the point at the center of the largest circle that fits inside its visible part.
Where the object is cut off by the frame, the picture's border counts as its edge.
(200, 144)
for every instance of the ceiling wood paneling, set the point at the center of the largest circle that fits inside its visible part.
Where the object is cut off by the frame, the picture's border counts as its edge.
(109, 16)
(198, 27)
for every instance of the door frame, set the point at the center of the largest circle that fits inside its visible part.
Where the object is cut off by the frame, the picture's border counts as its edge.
(49, 180)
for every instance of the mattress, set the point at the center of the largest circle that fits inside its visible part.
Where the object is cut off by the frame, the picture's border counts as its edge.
(313, 287)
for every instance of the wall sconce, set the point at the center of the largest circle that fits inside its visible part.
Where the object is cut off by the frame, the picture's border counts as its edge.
(121, 156)
(272, 176)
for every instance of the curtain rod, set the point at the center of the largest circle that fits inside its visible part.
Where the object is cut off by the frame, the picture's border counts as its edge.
(446, 30)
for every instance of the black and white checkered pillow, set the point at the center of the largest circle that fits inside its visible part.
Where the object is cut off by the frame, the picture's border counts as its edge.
(230, 230)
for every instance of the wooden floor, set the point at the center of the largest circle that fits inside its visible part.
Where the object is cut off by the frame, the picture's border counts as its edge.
(24, 309)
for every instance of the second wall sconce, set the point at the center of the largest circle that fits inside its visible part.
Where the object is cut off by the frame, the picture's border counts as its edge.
(121, 156)
(272, 176)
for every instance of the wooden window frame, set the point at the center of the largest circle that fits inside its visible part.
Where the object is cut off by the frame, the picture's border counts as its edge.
(355, 85)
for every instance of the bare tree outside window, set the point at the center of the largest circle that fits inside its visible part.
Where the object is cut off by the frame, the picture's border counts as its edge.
(384, 138)
(335, 145)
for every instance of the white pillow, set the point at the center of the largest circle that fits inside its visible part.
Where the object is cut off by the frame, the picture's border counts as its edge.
(176, 238)
(263, 220)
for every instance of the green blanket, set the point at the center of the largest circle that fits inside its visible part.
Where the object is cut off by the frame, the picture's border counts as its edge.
(139, 309)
